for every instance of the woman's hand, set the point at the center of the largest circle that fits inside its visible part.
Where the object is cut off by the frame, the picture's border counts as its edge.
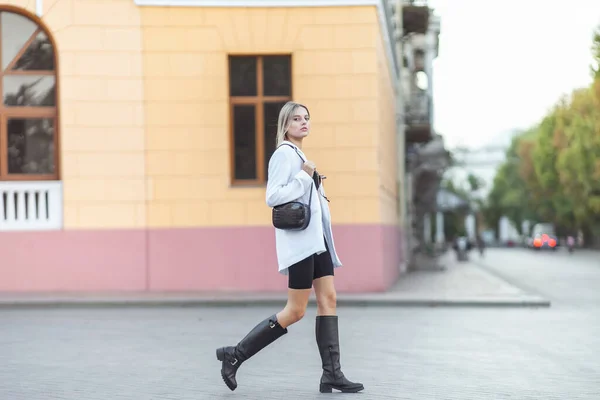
(309, 167)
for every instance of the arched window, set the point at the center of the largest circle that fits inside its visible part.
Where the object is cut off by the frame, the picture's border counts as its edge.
(28, 112)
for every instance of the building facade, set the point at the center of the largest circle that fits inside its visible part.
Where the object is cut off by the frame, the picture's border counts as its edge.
(135, 137)
(425, 153)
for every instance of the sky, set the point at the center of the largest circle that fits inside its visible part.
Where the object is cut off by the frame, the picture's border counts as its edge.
(503, 63)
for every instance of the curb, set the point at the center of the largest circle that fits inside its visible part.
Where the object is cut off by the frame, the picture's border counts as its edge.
(494, 272)
(362, 301)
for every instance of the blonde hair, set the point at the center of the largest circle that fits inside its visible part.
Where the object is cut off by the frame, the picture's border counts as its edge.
(285, 119)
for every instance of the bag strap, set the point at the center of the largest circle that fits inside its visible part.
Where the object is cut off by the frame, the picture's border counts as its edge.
(312, 183)
(295, 149)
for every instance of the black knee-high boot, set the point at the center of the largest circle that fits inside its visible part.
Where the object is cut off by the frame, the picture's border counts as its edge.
(326, 330)
(263, 334)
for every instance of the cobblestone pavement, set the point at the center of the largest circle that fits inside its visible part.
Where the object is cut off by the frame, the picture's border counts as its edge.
(398, 353)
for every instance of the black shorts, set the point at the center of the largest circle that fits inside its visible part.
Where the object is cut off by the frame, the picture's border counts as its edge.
(302, 274)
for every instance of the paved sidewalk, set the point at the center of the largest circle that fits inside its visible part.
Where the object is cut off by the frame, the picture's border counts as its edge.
(461, 284)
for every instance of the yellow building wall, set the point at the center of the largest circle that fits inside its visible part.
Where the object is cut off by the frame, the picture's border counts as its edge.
(388, 141)
(335, 72)
(101, 110)
(144, 110)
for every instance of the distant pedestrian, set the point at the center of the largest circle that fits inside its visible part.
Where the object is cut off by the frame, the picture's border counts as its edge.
(570, 243)
(305, 253)
(481, 245)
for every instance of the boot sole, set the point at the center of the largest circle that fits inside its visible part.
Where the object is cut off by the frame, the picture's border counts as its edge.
(324, 388)
(221, 357)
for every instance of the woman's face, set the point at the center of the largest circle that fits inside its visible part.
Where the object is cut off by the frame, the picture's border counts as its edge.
(299, 124)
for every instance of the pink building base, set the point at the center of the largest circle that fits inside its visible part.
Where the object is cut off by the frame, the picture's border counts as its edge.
(196, 259)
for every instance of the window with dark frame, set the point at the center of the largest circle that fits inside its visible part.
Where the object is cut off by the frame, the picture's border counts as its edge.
(28, 111)
(259, 86)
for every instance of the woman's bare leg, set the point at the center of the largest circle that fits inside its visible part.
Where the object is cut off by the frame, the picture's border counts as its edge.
(295, 308)
(326, 295)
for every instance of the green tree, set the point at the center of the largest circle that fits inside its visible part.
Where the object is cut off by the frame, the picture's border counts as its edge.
(475, 183)
(596, 54)
(552, 171)
(510, 195)
(578, 162)
(553, 202)
(535, 203)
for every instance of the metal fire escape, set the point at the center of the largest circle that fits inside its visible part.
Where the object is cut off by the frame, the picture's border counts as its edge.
(426, 157)
(427, 165)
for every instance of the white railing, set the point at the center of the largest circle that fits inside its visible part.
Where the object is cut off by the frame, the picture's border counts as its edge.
(31, 206)
(418, 3)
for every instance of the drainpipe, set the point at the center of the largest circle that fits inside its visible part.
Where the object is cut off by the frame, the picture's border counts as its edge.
(403, 179)
(38, 7)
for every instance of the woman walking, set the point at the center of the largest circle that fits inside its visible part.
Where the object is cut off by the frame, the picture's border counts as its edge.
(306, 255)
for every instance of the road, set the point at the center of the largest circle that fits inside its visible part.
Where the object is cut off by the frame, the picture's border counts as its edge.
(569, 280)
(398, 353)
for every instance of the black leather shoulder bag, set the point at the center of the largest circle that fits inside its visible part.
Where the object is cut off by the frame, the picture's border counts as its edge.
(295, 215)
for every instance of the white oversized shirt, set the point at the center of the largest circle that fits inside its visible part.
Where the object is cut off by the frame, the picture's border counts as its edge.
(287, 181)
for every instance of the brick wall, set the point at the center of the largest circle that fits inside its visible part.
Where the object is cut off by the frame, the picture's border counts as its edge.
(101, 111)
(388, 144)
(334, 72)
(144, 111)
